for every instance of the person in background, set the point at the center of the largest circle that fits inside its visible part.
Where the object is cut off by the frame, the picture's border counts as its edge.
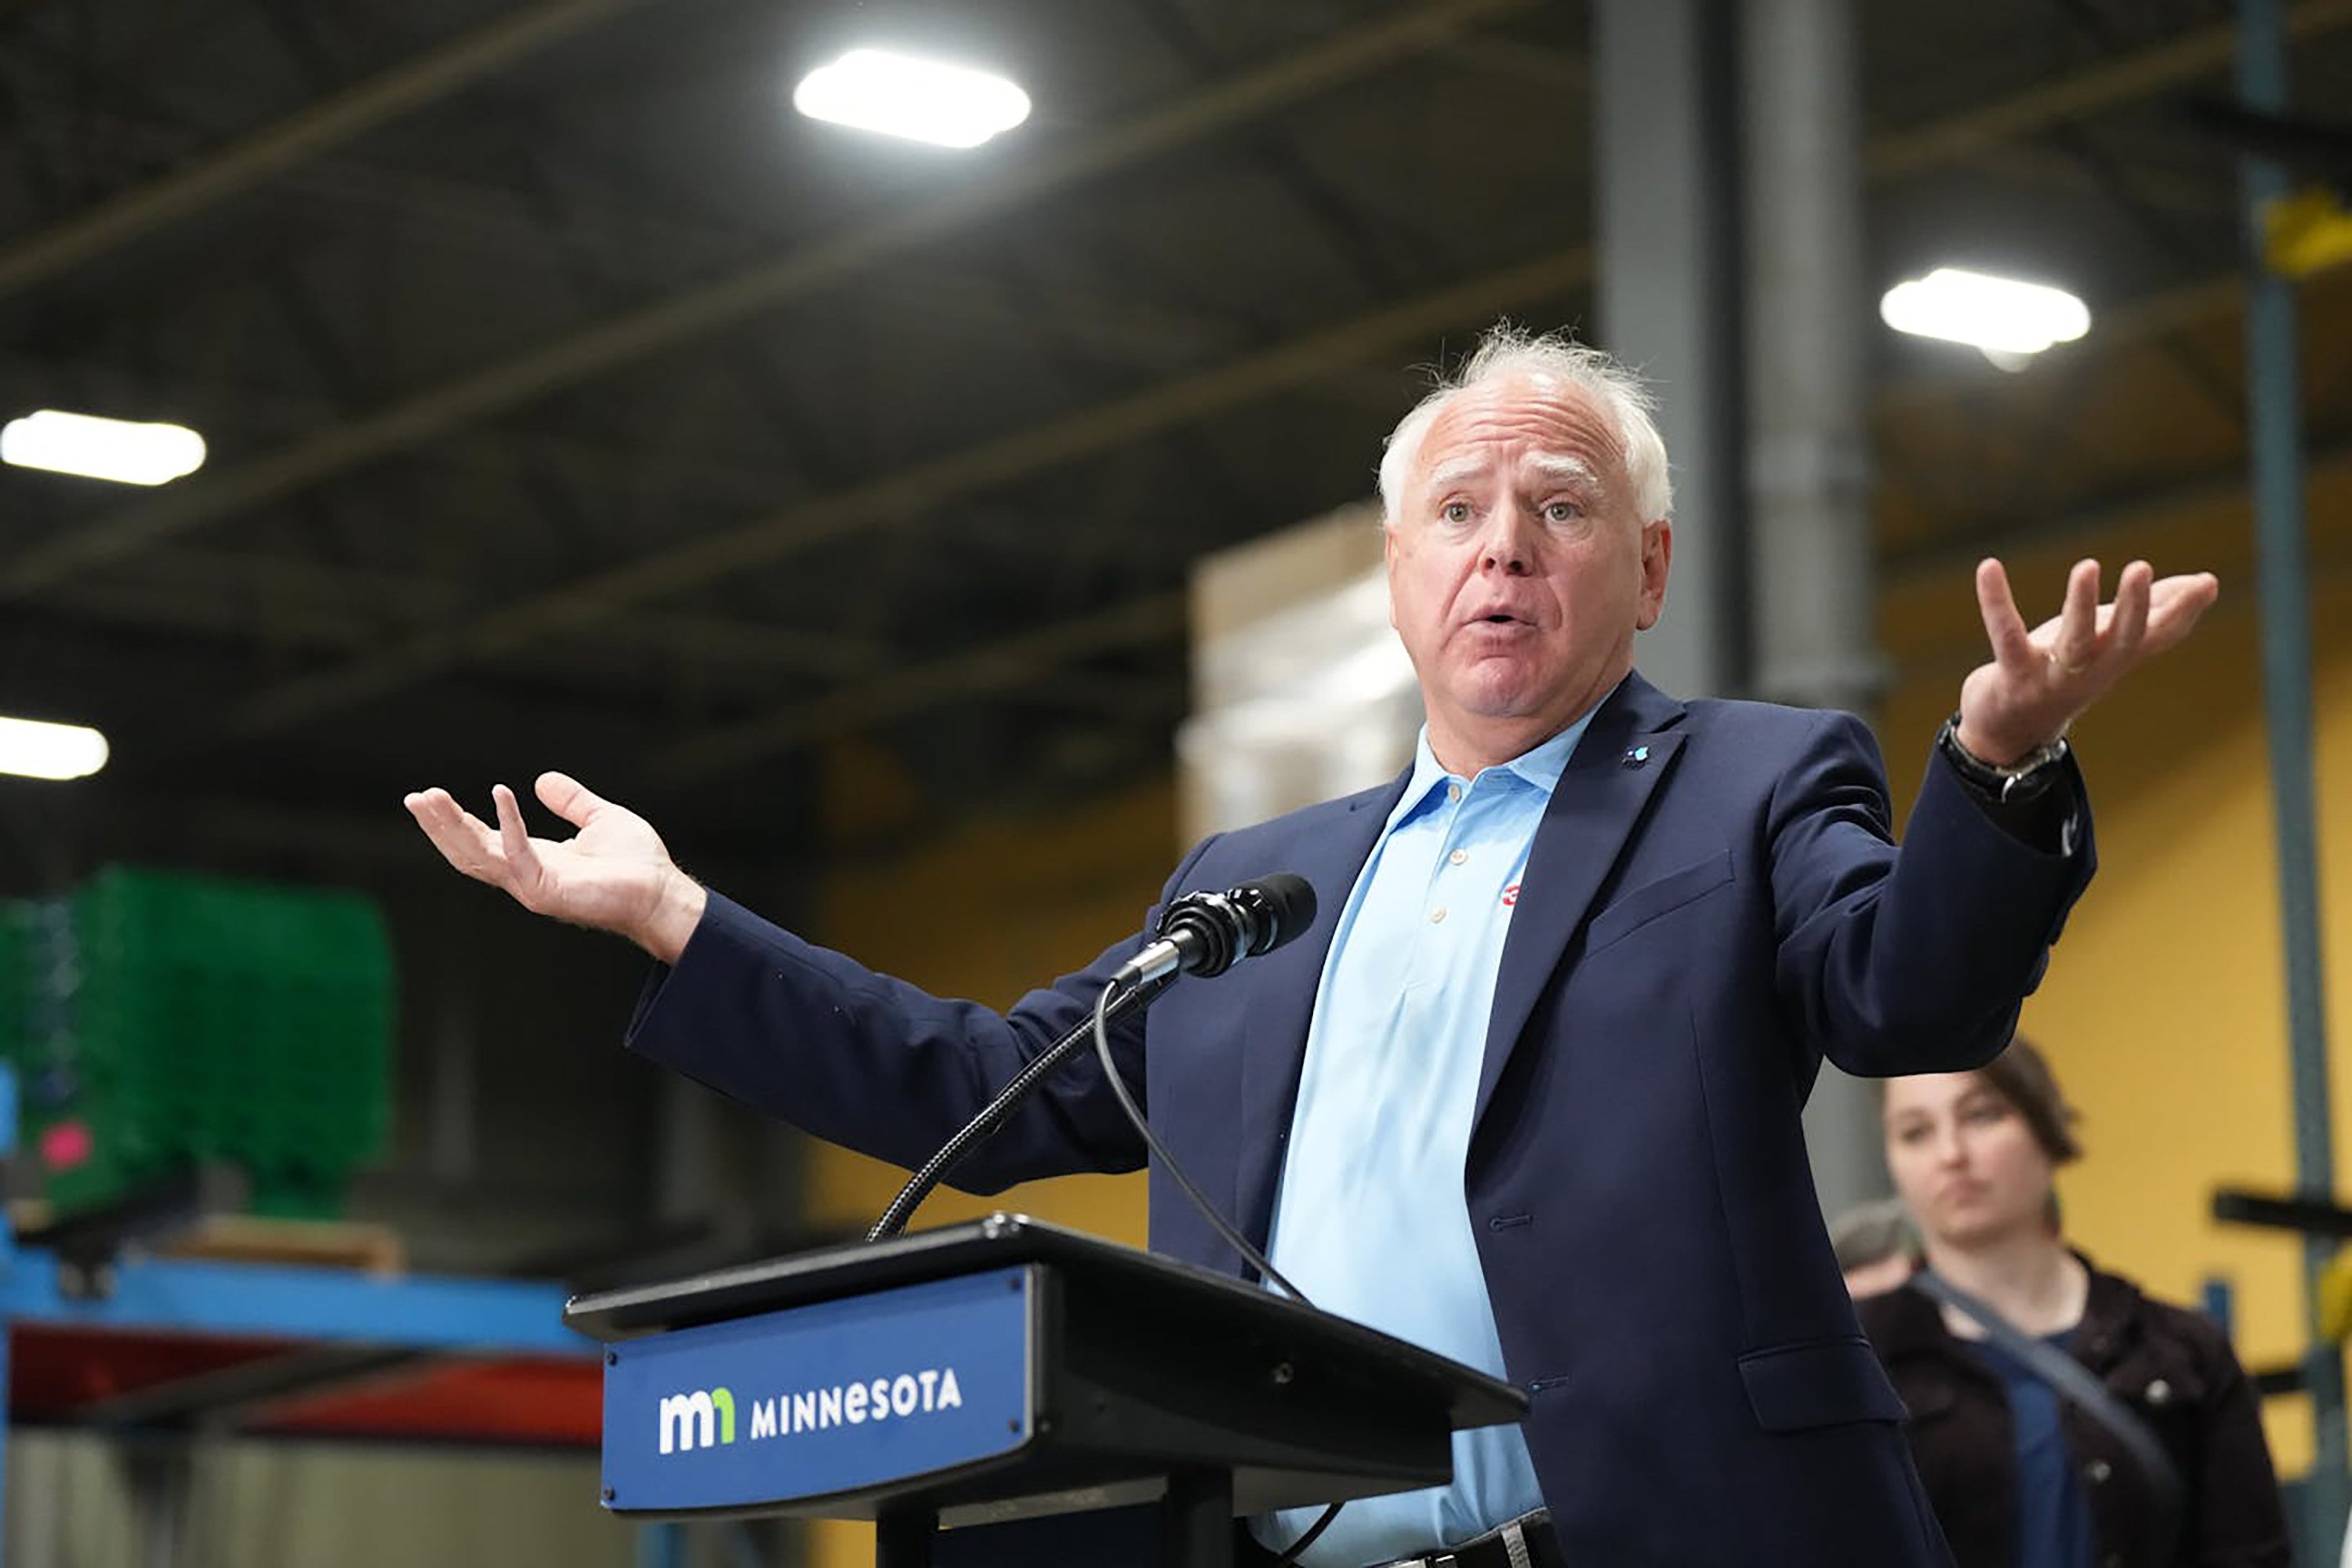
(2017, 1475)
(1875, 1248)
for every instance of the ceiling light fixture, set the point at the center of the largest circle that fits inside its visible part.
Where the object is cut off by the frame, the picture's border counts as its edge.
(923, 101)
(36, 750)
(2002, 316)
(123, 450)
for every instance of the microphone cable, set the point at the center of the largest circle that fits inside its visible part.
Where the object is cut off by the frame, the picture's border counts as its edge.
(1200, 933)
(991, 1116)
(1205, 946)
(1223, 1226)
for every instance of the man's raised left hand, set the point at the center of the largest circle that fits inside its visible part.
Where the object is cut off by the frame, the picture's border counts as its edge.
(2038, 681)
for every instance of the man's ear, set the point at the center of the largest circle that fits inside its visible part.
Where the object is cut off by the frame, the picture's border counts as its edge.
(1657, 555)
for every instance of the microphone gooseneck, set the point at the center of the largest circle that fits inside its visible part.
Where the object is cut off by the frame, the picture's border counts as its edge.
(1200, 934)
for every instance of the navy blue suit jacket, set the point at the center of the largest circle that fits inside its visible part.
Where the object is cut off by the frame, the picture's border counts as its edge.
(1712, 904)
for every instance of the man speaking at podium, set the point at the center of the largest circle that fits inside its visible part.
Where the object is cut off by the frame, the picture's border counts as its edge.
(1527, 1090)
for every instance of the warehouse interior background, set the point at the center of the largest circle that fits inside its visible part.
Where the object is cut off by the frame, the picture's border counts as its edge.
(847, 507)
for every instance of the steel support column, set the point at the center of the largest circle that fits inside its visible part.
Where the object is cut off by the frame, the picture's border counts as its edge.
(1808, 452)
(2282, 572)
(1669, 301)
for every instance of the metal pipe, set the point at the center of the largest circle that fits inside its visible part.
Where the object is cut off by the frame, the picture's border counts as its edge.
(1808, 470)
(1807, 455)
(2283, 573)
(1668, 172)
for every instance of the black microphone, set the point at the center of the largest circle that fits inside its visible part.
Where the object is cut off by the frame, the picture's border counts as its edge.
(1206, 933)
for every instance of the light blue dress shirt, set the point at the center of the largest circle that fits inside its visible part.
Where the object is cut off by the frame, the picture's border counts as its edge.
(1372, 1221)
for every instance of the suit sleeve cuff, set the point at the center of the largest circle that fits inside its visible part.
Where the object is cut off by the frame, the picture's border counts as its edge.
(2050, 821)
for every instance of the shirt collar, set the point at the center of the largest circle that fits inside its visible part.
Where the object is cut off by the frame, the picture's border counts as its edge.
(1540, 766)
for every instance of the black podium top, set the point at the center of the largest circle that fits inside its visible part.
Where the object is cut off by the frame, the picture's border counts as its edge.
(1151, 1296)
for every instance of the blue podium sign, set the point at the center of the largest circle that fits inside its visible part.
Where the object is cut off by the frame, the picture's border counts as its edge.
(819, 1400)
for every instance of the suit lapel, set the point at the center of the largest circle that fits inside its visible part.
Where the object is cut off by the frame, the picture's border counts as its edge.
(1274, 1039)
(1623, 757)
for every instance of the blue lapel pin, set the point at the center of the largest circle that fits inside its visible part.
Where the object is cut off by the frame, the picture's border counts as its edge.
(1636, 756)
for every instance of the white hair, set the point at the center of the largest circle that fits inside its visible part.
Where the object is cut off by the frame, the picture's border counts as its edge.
(1506, 353)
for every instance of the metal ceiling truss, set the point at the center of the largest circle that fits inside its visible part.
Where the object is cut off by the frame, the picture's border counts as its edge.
(685, 317)
(572, 605)
(819, 520)
(590, 600)
(993, 667)
(275, 149)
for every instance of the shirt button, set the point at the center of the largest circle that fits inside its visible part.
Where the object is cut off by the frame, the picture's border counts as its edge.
(1459, 856)
(2159, 1392)
(1437, 914)
(1453, 792)
(2097, 1472)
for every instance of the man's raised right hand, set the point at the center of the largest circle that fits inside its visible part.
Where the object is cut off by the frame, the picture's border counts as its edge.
(612, 875)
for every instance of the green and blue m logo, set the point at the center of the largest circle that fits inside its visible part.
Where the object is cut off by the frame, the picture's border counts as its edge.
(697, 1419)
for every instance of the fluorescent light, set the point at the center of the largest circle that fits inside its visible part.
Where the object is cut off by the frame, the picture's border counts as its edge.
(119, 449)
(40, 750)
(2000, 315)
(923, 101)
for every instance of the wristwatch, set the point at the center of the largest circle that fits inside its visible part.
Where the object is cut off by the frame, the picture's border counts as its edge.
(2020, 781)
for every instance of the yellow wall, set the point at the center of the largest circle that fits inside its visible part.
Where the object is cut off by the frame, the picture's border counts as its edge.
(986, 916)
(2164, 1013)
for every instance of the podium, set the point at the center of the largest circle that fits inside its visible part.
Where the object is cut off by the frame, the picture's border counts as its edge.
(1005, 1369)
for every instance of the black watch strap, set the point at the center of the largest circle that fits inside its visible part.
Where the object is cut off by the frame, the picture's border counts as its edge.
(2024, 780)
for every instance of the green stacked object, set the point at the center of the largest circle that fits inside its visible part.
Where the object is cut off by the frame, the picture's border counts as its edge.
(160, 1021)
(15, 978)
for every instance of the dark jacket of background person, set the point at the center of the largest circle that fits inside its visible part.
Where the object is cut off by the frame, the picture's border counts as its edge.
(2173, 1368)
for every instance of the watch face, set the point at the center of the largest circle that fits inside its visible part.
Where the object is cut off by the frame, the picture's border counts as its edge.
(2034, 775)
(2018, 788)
